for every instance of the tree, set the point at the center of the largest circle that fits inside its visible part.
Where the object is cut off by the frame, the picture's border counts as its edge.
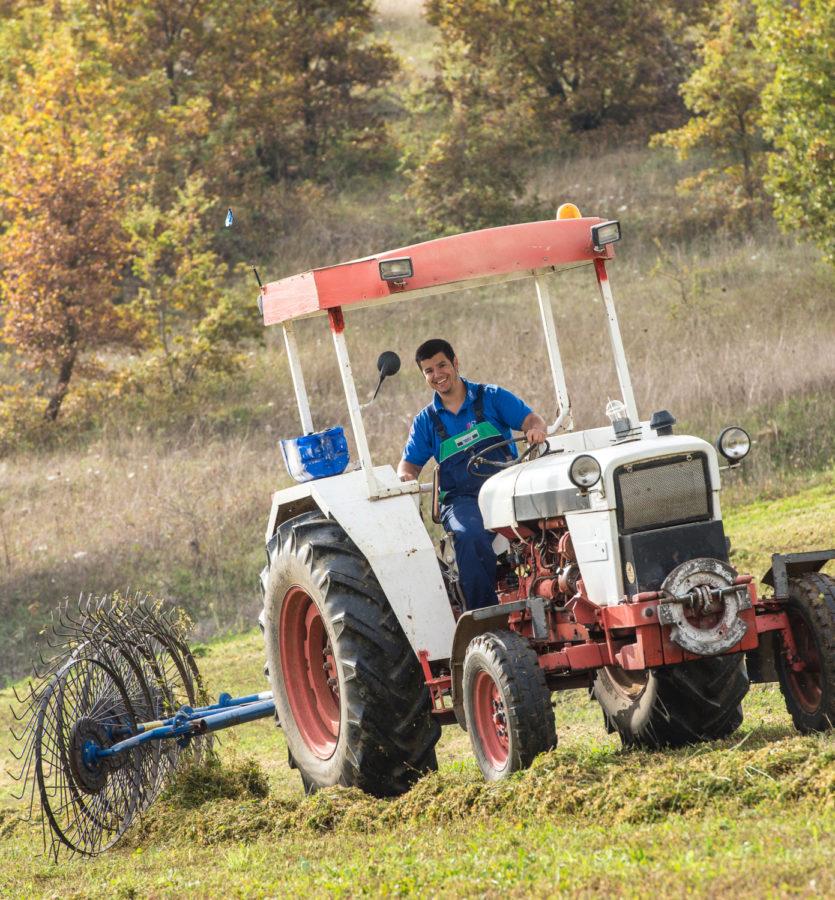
(578, 66)
(514, 78)
(257, 90)
(798, 40)
(190, 322)
(469, 175)
(63, 167)
(723, 94)
(313, 64)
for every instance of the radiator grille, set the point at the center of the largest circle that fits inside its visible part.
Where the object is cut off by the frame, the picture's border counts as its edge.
(663, 492)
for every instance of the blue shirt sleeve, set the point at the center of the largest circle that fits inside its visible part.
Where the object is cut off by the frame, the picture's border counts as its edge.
(418, 449)
(508, 408)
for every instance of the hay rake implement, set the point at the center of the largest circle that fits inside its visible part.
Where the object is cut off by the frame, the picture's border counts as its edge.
(109, 716)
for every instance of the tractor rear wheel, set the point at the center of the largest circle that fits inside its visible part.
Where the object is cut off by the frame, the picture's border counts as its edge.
(348, 688)
(810, 692)
(507, 704)
(673, 706)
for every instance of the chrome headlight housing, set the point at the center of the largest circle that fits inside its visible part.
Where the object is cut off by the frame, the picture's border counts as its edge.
(734, 443)
(584, 472)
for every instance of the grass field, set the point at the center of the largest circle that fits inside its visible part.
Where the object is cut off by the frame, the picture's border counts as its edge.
(750, 816)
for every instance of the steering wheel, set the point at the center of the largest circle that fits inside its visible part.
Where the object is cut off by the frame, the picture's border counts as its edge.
(479, 459)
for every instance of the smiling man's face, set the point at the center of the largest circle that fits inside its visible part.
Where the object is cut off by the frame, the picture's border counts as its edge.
(440, 374)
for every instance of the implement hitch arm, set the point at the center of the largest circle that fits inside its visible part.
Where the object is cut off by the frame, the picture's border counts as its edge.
(187, 723)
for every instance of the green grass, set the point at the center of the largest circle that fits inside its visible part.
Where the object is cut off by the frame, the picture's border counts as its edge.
(801, 521)
(750, 816)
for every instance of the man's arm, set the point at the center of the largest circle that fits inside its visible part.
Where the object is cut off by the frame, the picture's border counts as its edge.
(536, 431)
(408, 471)
(511, 409)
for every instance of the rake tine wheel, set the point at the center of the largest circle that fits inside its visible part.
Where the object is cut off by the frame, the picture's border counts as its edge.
(120, 662)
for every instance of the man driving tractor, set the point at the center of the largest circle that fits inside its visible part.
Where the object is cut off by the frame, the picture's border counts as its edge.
(462, 420)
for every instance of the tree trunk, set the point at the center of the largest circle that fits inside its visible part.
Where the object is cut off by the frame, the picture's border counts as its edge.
(62, 386)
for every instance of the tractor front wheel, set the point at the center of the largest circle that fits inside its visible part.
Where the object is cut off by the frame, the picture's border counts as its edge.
(507, 704)
(808, 681)
(348, 688)
(676, 705)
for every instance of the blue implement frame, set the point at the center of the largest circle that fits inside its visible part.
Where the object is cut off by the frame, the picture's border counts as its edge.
(187, 723)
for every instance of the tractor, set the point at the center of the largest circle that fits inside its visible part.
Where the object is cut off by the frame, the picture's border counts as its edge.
(613, 571)
(612, 576)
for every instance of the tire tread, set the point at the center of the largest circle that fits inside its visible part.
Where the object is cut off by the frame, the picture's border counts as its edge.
(391, 733)
(814, 594)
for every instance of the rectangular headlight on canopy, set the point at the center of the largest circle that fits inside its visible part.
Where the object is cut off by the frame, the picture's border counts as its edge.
(605, 233)
(396, 269)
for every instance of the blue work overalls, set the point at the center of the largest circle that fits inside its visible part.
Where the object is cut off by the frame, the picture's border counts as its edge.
(459, 503)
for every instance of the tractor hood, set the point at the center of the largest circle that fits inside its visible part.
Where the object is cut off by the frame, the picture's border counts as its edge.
(541, 488)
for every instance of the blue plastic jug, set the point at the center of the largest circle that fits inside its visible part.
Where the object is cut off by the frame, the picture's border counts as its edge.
(318, 455)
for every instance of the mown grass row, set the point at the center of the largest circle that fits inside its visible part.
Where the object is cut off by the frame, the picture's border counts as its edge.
(588, 784)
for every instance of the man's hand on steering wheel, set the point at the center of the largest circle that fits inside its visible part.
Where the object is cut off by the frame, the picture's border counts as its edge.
(536, 435)
(533, 451)
(534, 429)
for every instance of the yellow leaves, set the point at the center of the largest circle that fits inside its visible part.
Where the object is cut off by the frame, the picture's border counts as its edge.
(62, 167)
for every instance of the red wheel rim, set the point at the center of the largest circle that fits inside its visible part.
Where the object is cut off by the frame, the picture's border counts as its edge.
(490, 720)
(806, 684)
(310, 678)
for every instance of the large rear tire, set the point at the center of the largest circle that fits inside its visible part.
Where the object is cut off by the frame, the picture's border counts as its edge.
(507, 704)
(810, 692)
(676, 705)
(348, 687)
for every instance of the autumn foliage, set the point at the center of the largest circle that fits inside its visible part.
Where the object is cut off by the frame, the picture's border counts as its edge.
(798, 41)
(129, 126)
(123, 122)
(64, 193)
(724, 95)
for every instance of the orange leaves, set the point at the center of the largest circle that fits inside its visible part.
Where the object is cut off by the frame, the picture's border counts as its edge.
(62, 188)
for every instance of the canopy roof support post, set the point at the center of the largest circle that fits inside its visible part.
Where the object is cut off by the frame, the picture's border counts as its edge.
(297, 376)
(616, 341)
(337, 323)
(563, 419)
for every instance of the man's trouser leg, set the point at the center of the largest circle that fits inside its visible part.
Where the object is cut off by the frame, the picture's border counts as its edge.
(473, 551)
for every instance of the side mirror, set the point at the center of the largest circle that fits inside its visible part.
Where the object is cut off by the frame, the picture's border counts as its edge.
(388, 363)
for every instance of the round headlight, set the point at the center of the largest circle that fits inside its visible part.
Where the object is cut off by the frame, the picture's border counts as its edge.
(733, 443)
(584, 471)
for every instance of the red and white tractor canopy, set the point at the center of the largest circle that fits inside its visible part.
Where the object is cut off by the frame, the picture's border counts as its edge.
(448, 263)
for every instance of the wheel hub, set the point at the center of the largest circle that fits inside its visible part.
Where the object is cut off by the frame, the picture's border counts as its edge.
(499, 718)
(491, 720)
(310, 673)
(704, 587)
(805, 676)
(89, 771)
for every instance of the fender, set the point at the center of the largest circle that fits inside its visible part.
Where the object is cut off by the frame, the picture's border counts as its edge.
(390, 534)
(786, 565)
(761, 663)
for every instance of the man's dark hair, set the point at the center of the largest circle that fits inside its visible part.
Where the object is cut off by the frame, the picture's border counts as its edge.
(434, 345)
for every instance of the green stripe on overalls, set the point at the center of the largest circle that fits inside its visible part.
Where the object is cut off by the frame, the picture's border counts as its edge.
(459, 443)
